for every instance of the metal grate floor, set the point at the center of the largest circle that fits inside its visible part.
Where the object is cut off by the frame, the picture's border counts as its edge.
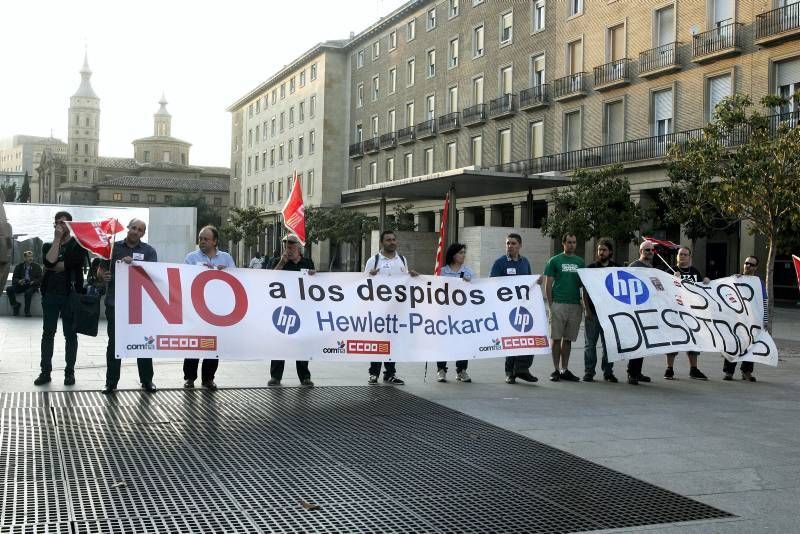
(246, 460)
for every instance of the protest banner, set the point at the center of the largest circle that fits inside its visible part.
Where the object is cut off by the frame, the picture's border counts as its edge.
(647, 312)
(189, 311)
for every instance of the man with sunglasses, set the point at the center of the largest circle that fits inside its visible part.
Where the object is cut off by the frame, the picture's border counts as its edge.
(748, 269)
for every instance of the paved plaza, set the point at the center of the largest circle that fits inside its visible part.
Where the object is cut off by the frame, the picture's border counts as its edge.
(723, 454)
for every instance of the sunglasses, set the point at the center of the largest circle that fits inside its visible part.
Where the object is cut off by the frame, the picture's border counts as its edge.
(748, 264)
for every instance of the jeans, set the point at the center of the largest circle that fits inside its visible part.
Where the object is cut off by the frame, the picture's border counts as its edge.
(592, 333)
(389, 369)
(276, 369)
(113, 365)
(54, 306)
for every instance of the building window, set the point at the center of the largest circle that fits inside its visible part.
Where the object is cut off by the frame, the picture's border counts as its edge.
(290, 153)
(313, 71)
(389, 169)
(431, 19)
(574, 7)
(264, 160)
(151, 199)
(249, 165)
(359, 59)
(282, 121)
(146, 156)
(506, 28)
(408, 170)
(166, 156)
(787, 83)
(613, 122)
(477, 41)
(272, 127)
(504, 146)
(538, 15)
(312, 105)
(453, 8)
(430, 107)
(410, 68)
(374, 121)
(373, 172)
(312, 140)
(506, 80)
(250, 137)
(310, 183)
(452, 99)
(301, 111)
(118, 197)
(255, 163)
(376, 81)
(300, 147)
(272, 157)
(360, 95)
(452, 61)
(280, 153)
(258, 130)
(409, 114)
(428, 160)
(263, 194)
(537, 70)
(477, 90)
(376, 50)
(615, 44)
(717, 89)
(451, 155)
(411, 29)
(572, 131)
(283, 91)
(393, 40)
(271, 192)
(302, 78)
(536, 139)
(357, 176)
(280, 190)
(575, 58)
(249, 111)
(392, 80)
(274, 95)
(134, 197)
(291, 85)
(359, 133)
(431, 63)
(291, 116)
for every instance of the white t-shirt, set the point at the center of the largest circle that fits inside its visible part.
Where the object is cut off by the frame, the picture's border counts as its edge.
(387, 266)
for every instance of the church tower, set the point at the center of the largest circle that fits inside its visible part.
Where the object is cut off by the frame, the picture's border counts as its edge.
(162, 120)
(83, 143)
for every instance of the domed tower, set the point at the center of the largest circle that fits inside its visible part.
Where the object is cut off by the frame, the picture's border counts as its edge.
(83, 135)
(161, 149)
(162, 119)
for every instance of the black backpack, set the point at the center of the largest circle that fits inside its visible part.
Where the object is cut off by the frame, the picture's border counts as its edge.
(403, 258)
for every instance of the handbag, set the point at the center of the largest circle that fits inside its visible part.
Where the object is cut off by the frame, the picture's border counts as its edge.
(85, 312)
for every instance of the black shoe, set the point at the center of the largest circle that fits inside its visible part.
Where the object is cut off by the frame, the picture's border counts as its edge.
(642, 378)
(274, 382)
(669, 374)
(393, 380)
(511, 379)
(633, 380)
(307, 383)
(728, 377)
(209, 384)
(748, 377)
(526, 376)
(188, 384)
(555, 376)
(43, 378)
(69, 380)
(695, 373)
(108, 389)
(28, 314)
(149, 387)
(588, 377)
(568, 376)
(610, 378)
(16, 310)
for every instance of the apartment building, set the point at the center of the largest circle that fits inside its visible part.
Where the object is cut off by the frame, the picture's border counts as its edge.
(491, 90)
(289, 124)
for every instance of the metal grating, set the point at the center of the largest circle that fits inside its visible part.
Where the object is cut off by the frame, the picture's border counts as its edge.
(244, 460)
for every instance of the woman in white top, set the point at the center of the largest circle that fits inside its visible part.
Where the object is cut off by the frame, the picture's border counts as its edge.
(454, 267)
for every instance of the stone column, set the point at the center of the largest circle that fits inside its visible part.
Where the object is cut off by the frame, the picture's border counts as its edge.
(518, 213)
(491, 216)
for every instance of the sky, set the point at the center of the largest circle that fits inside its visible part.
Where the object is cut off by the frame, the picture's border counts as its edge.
(203, 56)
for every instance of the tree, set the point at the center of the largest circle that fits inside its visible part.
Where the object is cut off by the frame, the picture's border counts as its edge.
(748, 167)
(246, 224)
(402, 220)
(339, 225)
(9, 191)
(25, 190)
(206, 213)
(596, 204)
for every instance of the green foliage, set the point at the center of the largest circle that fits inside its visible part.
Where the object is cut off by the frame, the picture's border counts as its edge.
(403, 221)
(206, 213)
(9, 191)
(246, 224)
(338, 224)
(596, 204)
(25, 190)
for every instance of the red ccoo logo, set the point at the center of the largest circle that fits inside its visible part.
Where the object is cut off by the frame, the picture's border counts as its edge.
(524, 342)
(176, 342)
(361, 346)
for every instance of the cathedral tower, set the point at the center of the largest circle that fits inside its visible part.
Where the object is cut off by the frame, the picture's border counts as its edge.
(83, 142)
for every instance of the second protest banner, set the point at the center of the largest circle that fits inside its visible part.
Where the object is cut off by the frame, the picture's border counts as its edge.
(190, 311)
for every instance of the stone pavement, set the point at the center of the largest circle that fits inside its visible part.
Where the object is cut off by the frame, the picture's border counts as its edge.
(733, 445)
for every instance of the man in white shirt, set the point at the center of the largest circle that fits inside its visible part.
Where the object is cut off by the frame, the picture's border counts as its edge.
(387, 263)
(257, 260)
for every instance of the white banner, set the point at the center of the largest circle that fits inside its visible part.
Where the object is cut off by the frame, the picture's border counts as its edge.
(647, 312)
(190, 311)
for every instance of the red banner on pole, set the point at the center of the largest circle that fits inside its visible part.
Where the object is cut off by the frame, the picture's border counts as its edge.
(796, 262)
(662, 243)
(96, 236)
(437, 268)
(294, 217)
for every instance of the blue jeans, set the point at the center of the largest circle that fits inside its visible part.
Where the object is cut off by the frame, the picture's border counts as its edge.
(592, 333)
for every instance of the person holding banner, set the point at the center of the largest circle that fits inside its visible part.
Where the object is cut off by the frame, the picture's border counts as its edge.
(387, 262)
(646, 252)
(605, 251)
(686, 271)
(454, 267)
(64, 260)
(748, 269)
(209, 255)
(127, 250)
(514, 264)
(562, 290)
(291, 260)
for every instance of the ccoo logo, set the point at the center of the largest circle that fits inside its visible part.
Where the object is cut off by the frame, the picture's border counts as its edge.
(626, 288)
(521, 319)
(286, 320)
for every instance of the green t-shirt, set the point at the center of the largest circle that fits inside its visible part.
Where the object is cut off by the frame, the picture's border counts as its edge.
(566, 284)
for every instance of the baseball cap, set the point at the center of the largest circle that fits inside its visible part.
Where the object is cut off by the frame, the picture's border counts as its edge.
(291, 238)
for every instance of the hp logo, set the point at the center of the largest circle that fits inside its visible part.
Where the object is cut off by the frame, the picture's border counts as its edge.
(626, 288)
(286, 320)
(521, 319)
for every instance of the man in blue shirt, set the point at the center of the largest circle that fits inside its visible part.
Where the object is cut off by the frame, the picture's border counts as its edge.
(514, 264)
(209, 255)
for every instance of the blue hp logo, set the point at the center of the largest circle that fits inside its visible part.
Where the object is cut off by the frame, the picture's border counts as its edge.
(626, 288)
(286, 320)
(521, 319)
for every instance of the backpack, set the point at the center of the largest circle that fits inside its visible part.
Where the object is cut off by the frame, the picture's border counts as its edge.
(377, 256)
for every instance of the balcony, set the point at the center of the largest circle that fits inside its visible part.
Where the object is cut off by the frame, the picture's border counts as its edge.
(450, 122)
(502, 107)
(357, 150)
(475, 115)
(660, 60)
(371, 146)
(778, 25)
(645, 149)
(720, 42)
(535, 97)
(569, 87)
(388, 141)
(611, 75)
(426, 129)
(405, 136)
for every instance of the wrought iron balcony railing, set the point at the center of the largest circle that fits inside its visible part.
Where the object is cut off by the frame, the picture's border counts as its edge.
(371, 145)
(357, 150)
(612, 74)
(659, 60)
(450, 122)
(503, 107)
(779, 24)
(474, 115)
(535, 97)
(571, 86)
(405, 135)
(426, 129)
(388, 140)
(719, 42)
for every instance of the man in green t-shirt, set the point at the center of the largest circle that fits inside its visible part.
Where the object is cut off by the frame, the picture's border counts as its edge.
(562, 290)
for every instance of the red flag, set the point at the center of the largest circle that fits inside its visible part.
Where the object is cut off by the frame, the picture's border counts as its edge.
(96, 236)
(294, 217)
(796, 261)
(437, 268)
(662, 242)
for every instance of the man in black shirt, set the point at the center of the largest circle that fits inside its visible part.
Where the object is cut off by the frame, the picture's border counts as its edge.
(605, 251)
(26, 280)
(291, 260)
(686, 271)
(63, 263)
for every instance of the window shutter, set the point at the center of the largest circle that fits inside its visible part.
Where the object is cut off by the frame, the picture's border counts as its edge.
(662, 103)
(788, 72)
(718, 88)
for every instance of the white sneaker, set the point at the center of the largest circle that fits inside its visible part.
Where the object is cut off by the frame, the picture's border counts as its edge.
(462, 376)
(373, 379)
(441, 375)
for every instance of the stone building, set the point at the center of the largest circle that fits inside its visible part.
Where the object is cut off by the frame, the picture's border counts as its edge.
(22, 153)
